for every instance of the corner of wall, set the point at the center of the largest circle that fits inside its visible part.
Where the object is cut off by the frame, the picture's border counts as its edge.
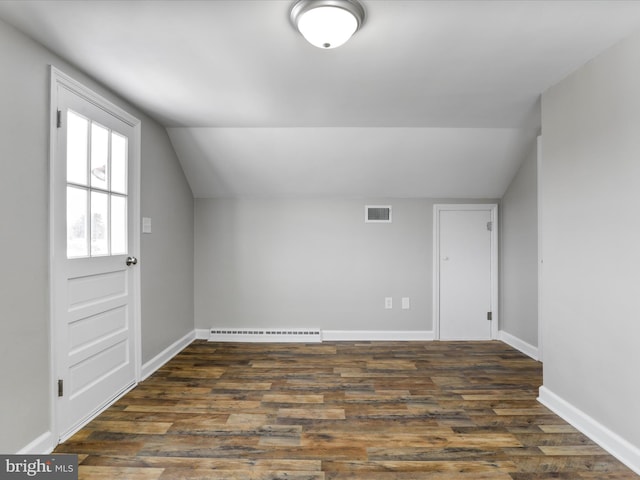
(519, 344)
(610, 441)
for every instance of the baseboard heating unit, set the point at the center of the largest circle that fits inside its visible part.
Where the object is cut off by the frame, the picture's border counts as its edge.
(265, 335)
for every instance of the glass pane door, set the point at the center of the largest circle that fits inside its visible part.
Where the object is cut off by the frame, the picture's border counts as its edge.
(97, 166)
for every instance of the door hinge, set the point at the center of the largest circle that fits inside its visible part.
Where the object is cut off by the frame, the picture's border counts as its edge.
(489, 315)
(490, 226)
(59, 119)
(60, 388)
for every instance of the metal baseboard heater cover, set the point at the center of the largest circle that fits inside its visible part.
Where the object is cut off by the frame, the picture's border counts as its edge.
(265, 335)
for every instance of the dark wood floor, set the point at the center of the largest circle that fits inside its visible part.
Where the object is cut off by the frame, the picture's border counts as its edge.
(343, 411)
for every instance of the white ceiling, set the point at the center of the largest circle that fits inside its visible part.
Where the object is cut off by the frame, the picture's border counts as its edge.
(430, 98)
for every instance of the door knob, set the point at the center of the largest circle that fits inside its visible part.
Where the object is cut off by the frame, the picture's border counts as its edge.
(131, 261)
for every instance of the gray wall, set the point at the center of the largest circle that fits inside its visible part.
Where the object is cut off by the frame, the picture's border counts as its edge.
(167, 255)
(167, 271)
(313, 263)
(519, 253)
(591, 239)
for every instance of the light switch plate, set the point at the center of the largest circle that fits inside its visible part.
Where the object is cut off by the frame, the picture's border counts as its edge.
(146, 224)
(406, 303)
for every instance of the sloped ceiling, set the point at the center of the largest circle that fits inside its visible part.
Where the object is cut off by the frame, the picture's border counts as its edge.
(430, 98)
(350, 162)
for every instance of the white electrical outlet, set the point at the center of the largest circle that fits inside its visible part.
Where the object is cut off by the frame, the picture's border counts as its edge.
(406, 303)
(388, 303)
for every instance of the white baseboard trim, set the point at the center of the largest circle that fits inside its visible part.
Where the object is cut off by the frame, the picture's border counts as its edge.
(377, 335)
(167, 354)
(612, 442)
(202, 333)
(43, 445)
(518, 344)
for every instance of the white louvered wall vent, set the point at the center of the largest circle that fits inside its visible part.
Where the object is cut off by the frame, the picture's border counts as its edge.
(377, 213)
(265, 335)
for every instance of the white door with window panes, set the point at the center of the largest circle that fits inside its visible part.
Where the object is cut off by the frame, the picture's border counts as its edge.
(94, 240)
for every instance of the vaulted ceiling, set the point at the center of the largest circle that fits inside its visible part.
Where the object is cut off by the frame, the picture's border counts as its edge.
(429, 99)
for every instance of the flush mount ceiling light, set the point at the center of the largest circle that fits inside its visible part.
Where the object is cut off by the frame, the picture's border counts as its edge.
(327, 23)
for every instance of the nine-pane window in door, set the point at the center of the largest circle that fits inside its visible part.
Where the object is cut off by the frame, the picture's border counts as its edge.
(96, 189)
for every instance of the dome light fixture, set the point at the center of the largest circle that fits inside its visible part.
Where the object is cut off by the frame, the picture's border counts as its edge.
(327, 23)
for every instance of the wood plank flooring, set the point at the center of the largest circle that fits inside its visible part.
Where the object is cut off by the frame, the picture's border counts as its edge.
(339, 411)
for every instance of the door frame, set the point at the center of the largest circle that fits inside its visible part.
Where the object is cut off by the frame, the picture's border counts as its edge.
(493, 209)
(60, 79)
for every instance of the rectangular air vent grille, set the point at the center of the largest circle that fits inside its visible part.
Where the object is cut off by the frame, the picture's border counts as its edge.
(265, 335)
(377, 214)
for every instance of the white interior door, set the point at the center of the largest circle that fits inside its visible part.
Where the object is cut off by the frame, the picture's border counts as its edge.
(94, 281)
(464, 268)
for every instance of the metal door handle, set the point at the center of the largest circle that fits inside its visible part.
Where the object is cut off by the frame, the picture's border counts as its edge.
(132, 261)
